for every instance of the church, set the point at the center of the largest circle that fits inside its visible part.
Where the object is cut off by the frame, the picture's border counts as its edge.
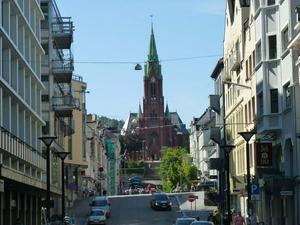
(155, 124)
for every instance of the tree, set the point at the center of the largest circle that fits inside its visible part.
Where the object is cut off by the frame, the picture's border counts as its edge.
(176, 168)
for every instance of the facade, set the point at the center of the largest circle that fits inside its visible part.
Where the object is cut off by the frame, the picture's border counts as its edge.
(156, 125)
(202, 148)
(95, 154)
(260, 86)
(23, 168)
(76, 162)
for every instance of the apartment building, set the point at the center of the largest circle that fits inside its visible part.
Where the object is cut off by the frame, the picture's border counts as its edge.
(76, 163)
(202, 148)
(23, 168)
(260, 89)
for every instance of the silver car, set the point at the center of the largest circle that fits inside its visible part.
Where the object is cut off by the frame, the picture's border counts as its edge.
(202, 223)
(185, 221)
(101, 202)
(97, 216)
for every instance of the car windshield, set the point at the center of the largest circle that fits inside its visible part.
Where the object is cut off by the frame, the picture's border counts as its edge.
(185, 222)
(161, 197)
(97, 213)
(99, 203)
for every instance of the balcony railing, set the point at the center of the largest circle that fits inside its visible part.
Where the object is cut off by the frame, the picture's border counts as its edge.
(62, 32)
(62, 69)
(63, 105)
(17, 147)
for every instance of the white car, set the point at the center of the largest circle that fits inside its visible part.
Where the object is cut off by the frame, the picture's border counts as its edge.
(97, 216)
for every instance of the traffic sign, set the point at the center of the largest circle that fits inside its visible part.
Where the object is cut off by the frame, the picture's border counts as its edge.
(192, 198)
(255, 192)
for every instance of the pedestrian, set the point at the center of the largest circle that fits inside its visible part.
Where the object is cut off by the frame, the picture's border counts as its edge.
(239, 220)
(216, 219)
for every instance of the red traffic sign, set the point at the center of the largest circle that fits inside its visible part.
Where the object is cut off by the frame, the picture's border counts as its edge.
(192, 198)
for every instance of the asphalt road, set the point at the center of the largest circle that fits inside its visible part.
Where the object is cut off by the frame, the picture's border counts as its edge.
(130, 210)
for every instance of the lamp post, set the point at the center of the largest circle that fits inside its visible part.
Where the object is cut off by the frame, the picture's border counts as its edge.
(62, 156)
(47, 140)
(247, 135)
(227, 149)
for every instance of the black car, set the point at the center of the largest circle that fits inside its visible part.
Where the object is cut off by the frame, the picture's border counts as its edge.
(135, 179)
(160, 201)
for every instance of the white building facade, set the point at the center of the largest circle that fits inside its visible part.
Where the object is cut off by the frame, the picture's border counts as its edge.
(23, 168)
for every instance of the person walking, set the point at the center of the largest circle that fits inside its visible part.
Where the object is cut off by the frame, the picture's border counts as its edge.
(239, 220)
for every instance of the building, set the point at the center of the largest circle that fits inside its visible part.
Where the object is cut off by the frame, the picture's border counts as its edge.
(76, 162)
(260, 88)
(156, 125)
(95, 154)
(23, 168)
(202, 148)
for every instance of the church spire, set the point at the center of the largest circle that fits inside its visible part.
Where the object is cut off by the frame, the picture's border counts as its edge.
(152, 56)
(167, 112)
(140, 112)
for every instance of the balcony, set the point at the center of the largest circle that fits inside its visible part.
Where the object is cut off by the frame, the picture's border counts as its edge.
(63, 106)
(62, 33)
(21, 150)
(62, 69)
(269, 123)
(234, 61)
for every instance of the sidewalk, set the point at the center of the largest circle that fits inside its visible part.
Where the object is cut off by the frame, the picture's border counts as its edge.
(188, 209)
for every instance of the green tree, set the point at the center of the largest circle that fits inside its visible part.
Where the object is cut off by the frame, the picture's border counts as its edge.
(176, 168)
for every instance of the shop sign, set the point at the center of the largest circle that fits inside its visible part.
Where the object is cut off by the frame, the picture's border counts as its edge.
(264, 154)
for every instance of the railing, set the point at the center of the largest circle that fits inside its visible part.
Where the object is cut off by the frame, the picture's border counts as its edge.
(63, 101)
(62, 26)
(17, 147)
(65, 64)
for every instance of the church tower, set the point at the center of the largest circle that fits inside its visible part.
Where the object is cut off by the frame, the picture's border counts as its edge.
(154, 123)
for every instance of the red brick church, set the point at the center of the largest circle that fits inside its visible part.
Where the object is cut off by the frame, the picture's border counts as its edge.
(156, 125)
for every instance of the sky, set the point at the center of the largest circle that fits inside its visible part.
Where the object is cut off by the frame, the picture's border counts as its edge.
(119, 31)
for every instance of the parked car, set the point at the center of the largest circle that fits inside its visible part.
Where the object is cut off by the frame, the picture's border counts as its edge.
(137, 179)
(160, 201)
(101, 202)
(185, 221)
(202, 223)
(97, 216)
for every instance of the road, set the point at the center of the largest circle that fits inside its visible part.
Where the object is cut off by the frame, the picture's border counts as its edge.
(130, 210)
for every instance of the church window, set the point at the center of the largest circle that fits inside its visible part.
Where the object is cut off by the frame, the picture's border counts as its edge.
(153, 90)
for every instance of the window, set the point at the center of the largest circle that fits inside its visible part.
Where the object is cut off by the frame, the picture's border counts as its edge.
(45, 78)
(250, 66)
(46, 48)
(246, 114)
(247, 70)
(249, 111)
(260, 104)
(253, 60)
(285, 38)
(258, 53)
(271, 2)
(153, 89)
(272, 47)
(238, 91)
(253, 109)
(45, 98)
(274, 100)
(287, 95)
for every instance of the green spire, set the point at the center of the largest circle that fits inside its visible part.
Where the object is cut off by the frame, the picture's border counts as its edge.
(167, 112)
(152, 56)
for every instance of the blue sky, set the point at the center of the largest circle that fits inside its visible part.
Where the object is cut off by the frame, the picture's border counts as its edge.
(119, 30)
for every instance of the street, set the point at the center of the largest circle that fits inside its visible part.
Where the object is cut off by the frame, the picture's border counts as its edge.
(135, 210)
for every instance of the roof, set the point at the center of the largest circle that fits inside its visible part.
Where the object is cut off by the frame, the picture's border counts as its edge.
(176, 121)
(218, 68)
(206, 118)
(129, 123)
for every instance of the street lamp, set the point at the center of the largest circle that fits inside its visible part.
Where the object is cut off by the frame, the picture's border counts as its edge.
(47, 140)
(247, 135)
(227, 149)
(62, 156)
